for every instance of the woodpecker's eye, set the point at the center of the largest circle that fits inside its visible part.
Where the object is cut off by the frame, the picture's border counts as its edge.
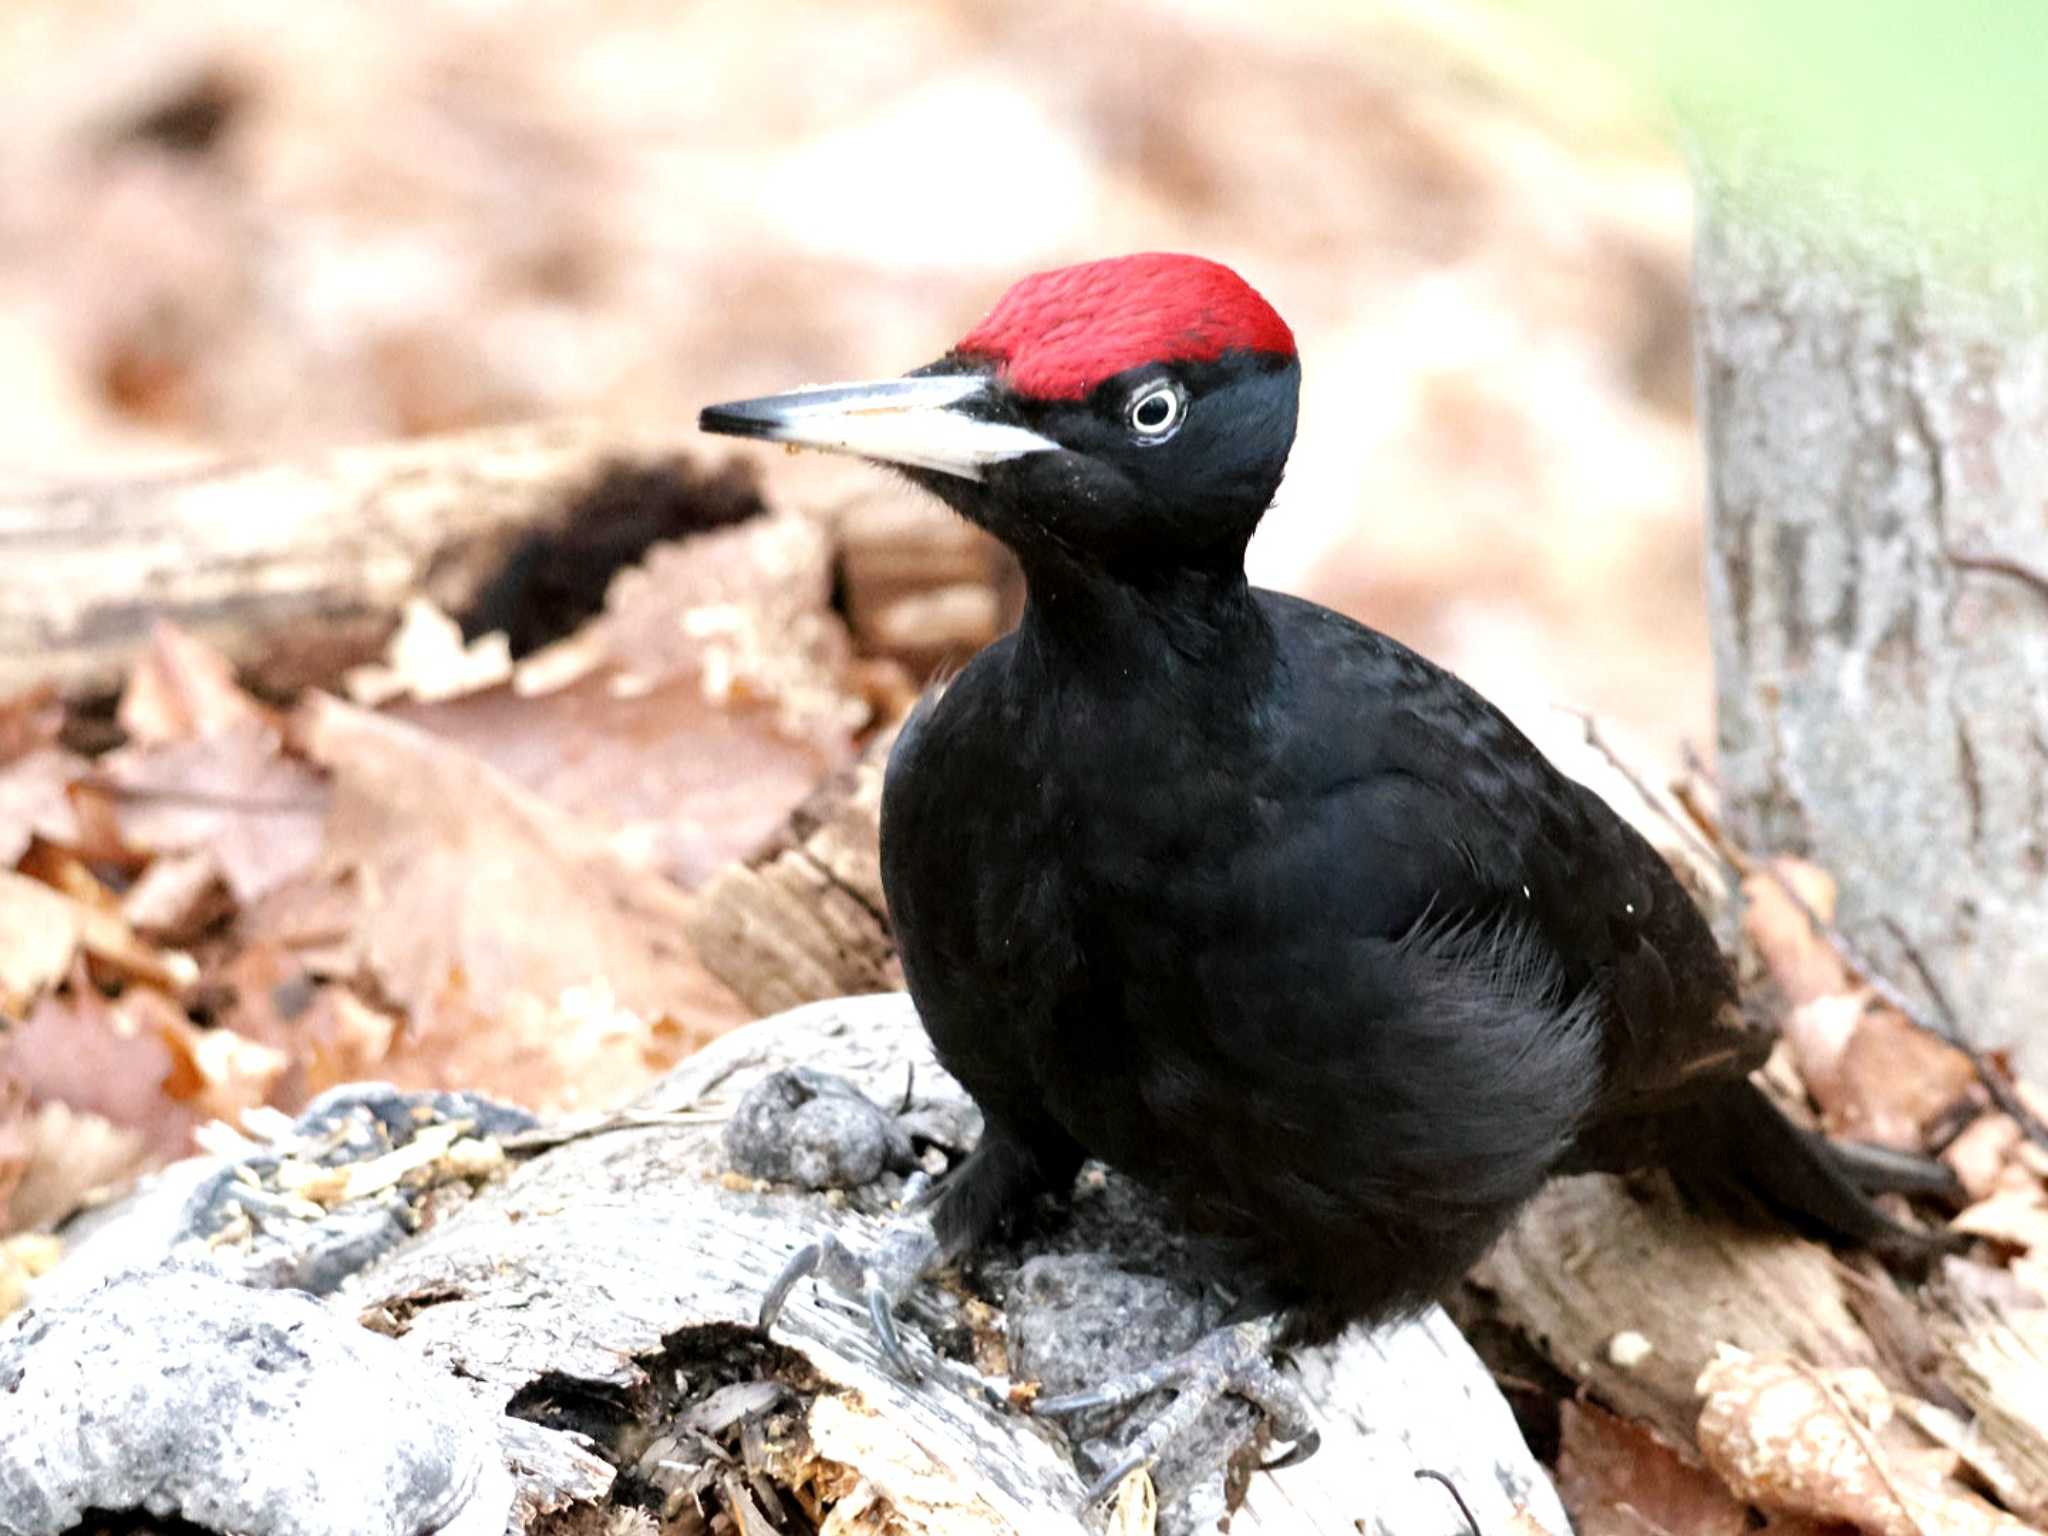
(1156, 409)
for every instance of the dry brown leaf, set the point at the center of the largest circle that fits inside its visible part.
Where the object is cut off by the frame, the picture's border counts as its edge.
(582, 1051)
(72, 1157)
(233, 793)
(1804, 1442)
(40, 930)
(326, 1034)
(260, 988)
(1893, 1081)
(184, 690)
(745, 610)
(177, 897)
(2017, 1218)
(461, 894)
(1797, 958)
(29, 722)
(680, 785)
(65, 872)
(16, 1138)
(1874, 1075)
(343, 1040)
(1618, 1478)
(82, 1050)
(22, 1258)
(137, 1062)
(461, 874)
(686, 720)
(96, 816)
(1817, 1034)
(43, 928)
(1983, 1157)
(35, 800)
(216, 1071)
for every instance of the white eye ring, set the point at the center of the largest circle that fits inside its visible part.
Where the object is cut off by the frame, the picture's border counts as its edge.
(1156, 410)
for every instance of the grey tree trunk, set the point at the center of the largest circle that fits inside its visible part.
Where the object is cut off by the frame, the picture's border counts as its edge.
(1877, 453)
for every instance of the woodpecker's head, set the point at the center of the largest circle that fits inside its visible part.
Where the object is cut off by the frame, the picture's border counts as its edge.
(1126, 412)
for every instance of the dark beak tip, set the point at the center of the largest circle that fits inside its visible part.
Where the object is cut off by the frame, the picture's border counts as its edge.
(736, 418)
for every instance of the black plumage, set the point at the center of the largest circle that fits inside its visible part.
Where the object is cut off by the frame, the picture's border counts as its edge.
(1291, 925)
(1247, 899)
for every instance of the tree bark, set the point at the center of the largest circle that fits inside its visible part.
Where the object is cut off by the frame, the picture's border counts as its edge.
(804, 918)
(1877, 452)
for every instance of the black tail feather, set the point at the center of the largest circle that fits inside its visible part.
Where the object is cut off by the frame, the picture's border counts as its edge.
(1734, 1142)
(1883, 1170)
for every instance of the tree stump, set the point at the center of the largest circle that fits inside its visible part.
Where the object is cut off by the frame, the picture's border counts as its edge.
(1877, 455)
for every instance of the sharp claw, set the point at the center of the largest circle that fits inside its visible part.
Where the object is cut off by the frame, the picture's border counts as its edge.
(1113, 1479)
(885, 1334)
(1077, 1402)
(872, 1281)
(803, 1262)
(807, 1261)
(1296, 1453)
(1232, 1360)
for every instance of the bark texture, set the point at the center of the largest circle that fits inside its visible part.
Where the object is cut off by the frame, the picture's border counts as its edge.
(1877, 450)
(805, 919)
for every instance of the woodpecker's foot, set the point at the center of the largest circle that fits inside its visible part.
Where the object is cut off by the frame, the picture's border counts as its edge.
(878, 1280)
(1234, 1359)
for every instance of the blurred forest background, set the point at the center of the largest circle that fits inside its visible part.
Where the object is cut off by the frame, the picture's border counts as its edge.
(246, 229)
(308, 833)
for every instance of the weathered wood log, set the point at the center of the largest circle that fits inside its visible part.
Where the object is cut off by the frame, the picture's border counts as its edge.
(1589, 1264)
(804, 919)
(600, 1298)
(298, 568)
(1994, 1356)
(922, 585)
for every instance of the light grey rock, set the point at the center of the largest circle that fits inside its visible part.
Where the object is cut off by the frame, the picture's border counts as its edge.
(815, 1129)
(261, 1412)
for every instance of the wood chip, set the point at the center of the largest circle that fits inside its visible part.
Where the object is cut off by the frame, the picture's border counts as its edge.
(1800, 1441)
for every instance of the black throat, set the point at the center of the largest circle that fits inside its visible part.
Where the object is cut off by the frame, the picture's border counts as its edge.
(1181, 625)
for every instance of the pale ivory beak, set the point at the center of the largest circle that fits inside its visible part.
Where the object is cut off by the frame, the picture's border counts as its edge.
(925, 421)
